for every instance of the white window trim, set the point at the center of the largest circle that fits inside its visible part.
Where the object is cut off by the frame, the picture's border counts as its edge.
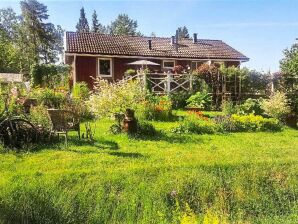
(163, 64)
(111, 67)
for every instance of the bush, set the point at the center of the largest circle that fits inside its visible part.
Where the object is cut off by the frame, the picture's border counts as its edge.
(201, 100)
(49, 97)
(81, 91)
(196, 125)
(178, 99)
(251, 106)
(255, 123)
(228, 107)
(39, 117)
(49, 75)
(146, 129)
(156, 108)
(276, 106)
(110, 98)
(130, 72)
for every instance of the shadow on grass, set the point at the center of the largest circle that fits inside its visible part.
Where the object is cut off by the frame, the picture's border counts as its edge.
(126, 154)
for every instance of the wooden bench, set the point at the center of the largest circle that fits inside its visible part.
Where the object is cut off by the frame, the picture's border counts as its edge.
(64, 121)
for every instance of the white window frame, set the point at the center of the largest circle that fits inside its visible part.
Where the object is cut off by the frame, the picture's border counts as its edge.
(111, 67)
(163, 64)
(196, 63)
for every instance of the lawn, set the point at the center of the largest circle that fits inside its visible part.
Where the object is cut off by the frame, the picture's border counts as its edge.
(170, 178)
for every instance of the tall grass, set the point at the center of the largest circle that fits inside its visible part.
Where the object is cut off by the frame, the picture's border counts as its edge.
(238, 178)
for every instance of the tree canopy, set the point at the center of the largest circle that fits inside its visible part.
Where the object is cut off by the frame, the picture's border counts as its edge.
(82, 25)
(97, 27)
(124, 25)
(183, 32)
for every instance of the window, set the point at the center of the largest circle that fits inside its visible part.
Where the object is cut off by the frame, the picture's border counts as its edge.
(105, 67)
(169, 64)
(195, 64)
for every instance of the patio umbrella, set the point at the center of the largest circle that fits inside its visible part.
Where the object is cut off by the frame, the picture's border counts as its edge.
(142, 63)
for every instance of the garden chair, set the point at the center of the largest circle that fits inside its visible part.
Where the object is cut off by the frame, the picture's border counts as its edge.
(64, 121)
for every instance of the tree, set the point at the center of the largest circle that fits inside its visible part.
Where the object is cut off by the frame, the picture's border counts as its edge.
(82, 25)
(96, 26)
(9, 56)
(34, 13)
(124, 25)
(153, 34)
(183, 32)
(289, 67)
(9, 22)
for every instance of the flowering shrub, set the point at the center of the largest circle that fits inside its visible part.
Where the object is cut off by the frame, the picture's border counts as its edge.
(157, 108)
(236, 123)
(276, 106)
(178, 69)
(255, 123)
(109, 98)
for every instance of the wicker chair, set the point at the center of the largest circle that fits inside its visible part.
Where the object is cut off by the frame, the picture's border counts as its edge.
(64, 121)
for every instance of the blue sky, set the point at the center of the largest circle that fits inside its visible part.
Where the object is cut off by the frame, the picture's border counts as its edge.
(260, 29)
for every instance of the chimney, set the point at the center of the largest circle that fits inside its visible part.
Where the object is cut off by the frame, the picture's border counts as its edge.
(173, 40)
(195, 38)
(150, 44)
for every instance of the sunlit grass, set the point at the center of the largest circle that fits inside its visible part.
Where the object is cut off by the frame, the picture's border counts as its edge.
(240, 177)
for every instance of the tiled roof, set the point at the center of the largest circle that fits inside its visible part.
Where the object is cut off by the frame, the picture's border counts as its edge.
(94, 43)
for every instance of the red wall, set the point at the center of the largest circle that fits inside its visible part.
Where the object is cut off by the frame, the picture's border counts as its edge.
(86, 66)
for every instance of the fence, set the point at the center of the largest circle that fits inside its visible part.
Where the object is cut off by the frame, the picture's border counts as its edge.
(161, 83)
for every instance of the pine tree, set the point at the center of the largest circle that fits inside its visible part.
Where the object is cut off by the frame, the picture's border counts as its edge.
(82, 25)
(183, 32)
(123, 25)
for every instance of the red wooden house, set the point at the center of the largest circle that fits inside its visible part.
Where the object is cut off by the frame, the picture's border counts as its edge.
(107, 56)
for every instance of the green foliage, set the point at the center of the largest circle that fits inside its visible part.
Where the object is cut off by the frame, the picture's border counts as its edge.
(196, 125)
(146, 129)
(49, 75)
(97, 27)
(234, 178)
(110, 98)
(201, 100)
(255, 123)
(81, 91)
(42, 39)
(276, 106)
(289, 68)
(251, 106)
(183, 32)
(124, 25)
(9, 54)
(82, 25)
(49, 97)
(156, 107)
(228, 107)
(179, 99)
(39, 117)
(130, 72)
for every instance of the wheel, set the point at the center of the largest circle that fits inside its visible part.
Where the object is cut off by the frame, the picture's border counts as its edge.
(17, 133)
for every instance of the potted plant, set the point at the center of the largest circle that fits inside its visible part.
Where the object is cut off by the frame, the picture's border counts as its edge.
(178, 69)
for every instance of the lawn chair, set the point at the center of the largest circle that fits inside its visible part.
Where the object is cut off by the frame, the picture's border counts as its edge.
(64, 121)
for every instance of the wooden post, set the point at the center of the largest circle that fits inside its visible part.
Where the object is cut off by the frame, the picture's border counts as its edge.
(191, 82)
(169, 79)
(75, 70)
(145, 80)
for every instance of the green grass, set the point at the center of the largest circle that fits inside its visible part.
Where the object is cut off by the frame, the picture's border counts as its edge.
(170, 178)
